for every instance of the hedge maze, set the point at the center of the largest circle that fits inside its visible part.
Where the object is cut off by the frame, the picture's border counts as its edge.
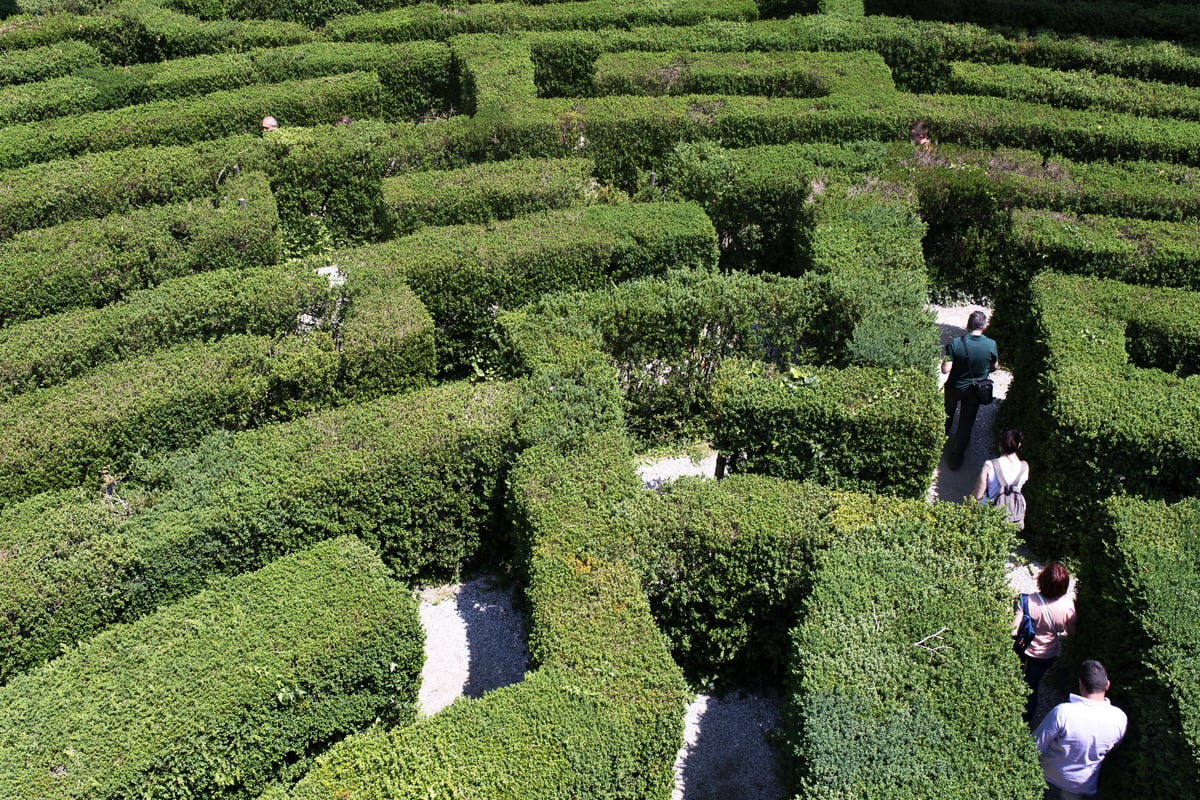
(256, 386)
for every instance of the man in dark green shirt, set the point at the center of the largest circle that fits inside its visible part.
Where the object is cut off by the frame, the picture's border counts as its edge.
(967, 359)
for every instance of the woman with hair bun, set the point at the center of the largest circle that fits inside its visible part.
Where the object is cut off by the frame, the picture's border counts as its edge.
(1052, 609)
(1005, 476)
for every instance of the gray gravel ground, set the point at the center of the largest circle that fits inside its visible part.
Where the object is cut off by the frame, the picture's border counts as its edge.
(475, 641)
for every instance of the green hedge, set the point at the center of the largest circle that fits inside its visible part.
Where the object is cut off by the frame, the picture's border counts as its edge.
(601, 716)
(1140, 577)
(69, 434)
(1082, 90)
(756, 198)
(93, 262)
(417, 78)
(861, 428)
(419, 477)
(866, 240)
(224, 692)
(1025, 178)
(1125, 18)
(429, 21)
(184, 121)
(906, 629)
(100, 89)
(667, 338)
(264, 300)
(1115, 405)
(487, 192)
(46, 62)
(464, 275)
(1148, 253)
(726, 565)
(41, 195)
(769, 74)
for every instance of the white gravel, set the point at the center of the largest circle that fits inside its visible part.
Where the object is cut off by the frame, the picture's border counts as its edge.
(475, 640)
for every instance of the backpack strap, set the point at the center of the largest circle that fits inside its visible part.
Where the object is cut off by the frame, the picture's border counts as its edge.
(1004, 485)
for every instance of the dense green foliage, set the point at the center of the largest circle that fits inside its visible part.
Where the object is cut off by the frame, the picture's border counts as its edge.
(1142, 576)
(222, 692)
(94, 262)
(418, 477)
(660, 222)
(1114, 407)
(904, 632)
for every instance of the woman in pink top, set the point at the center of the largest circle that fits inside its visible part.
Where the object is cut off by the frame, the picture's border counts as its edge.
(1053, 611)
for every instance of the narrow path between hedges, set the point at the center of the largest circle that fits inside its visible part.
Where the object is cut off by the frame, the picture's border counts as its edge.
(476, 640)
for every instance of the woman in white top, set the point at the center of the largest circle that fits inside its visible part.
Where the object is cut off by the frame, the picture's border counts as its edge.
(1052, 609)
(1012, 469)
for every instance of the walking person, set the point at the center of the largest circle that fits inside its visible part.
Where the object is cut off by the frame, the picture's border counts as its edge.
(967, 359)
(1075, 736)
(1052, 609)
(1001, 479)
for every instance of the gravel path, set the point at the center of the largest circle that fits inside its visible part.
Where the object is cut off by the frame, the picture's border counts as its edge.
(475, 641)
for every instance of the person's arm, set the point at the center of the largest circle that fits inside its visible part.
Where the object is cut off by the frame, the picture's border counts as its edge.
(982, 481)
(1047, 732)
(948, 358)
(1069, 624)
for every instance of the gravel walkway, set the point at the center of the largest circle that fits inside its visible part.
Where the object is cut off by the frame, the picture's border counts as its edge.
(475, 641)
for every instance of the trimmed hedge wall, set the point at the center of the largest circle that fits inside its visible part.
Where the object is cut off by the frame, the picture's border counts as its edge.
(429, 21)
(866, 241)
(667, 338)
(1148, 253)
(1113, 406)
(265, 301)
(94, 262)
(97, 184)
(193, 119)
(221, 693)
(756, 198)
(46, 62)
(1082, 90)
(464, 275)
(69, 434)
(419, 477)
(1025, 178)
(1141, 577)
(487, 192)
(1105, 18)
(602, 714)
(769, 74)
(866, 429)
(905, 630)
(135, 31)
(726, 565)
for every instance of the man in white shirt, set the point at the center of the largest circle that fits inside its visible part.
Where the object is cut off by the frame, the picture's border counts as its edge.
(1076, 735)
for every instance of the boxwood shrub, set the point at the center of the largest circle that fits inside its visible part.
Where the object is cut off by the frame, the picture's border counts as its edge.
(210, 116)
(261, 300)
(905, 629)
(94, 262)
(47, 61)
(97, 184)
(223, 692)
(1139, 577)
(419, 477)
(601, 716)
(1145, 252)
(726, 565)
(667, 338)
(861, 428)
(487, 192)
(464, 275)
(1114, 407)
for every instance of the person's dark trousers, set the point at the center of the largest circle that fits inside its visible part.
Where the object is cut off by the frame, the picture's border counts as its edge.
(1035, 669)
(968, 408)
